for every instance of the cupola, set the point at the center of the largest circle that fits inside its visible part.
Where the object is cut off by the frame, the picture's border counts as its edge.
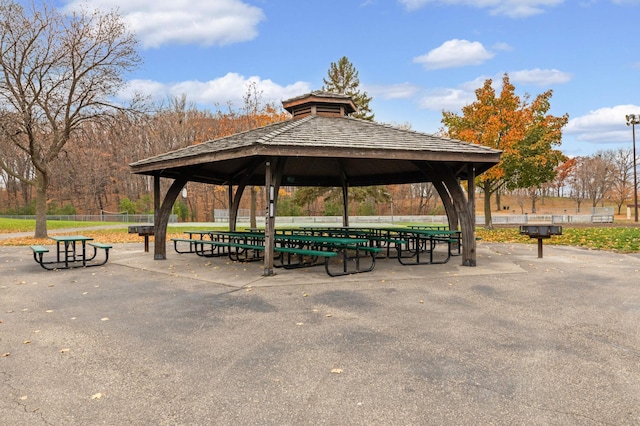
(320, 103)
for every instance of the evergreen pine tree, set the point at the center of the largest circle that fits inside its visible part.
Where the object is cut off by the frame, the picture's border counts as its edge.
(342, 78)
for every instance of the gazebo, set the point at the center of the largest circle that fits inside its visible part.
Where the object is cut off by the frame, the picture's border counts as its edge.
(322, 146)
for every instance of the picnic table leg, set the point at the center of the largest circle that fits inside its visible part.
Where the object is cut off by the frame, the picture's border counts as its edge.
(66, 254)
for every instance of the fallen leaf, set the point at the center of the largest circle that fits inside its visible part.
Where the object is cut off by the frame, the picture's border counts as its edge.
(336, 370)
(49, 311)
(23, 398)
(421, 301)
(64, 351)
(6, 354)
(299, 323)
(26, 342)
(104, 319)
(328, 315)
(96, 396)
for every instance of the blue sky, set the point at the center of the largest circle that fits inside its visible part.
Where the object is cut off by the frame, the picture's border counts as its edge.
(414, 57)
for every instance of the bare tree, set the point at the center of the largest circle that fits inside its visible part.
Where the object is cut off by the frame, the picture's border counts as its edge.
(591, 178)
(622, 178)
(57, 72)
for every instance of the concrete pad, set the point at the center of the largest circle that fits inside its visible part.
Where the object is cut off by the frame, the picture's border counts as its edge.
(516, 340)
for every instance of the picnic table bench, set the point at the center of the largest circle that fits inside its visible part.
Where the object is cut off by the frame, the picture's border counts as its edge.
(70, 254)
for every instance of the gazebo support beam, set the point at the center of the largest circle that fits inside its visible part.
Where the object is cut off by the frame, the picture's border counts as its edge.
(235, 205)
(445, 196)
(234, 200)
(345, 204)
(162, 213)
(465, 216)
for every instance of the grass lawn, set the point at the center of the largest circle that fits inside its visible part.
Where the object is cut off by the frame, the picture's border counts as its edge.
(611, 238)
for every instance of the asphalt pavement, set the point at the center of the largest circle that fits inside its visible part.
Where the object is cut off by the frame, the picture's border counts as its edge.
(192, 341)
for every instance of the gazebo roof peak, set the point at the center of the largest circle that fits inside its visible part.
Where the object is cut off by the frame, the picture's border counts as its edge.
(321, 103)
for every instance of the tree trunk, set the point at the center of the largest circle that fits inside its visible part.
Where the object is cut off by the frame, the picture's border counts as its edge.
(42, 182)
(487, 207)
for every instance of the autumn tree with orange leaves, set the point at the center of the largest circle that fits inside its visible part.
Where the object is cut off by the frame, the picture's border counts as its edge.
(524, 131)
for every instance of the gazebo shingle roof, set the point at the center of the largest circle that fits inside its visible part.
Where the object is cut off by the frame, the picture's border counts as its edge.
(365, 150)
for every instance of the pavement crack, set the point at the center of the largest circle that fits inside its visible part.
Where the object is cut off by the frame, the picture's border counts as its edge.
(540, 407)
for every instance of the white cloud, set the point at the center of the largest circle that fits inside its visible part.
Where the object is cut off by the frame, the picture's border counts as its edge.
(453, 99)
(502, 46)
(604, 125)
(540, 77)
(446, 99)
(510, 8)
(206, 23)
(230, 88)
(455, 53)
(394, 91)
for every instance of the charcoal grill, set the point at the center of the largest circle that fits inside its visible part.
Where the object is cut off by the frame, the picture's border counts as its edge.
(143, 231)
(540, 232)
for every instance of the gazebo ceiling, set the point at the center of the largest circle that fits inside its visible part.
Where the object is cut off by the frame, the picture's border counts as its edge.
(320, 149)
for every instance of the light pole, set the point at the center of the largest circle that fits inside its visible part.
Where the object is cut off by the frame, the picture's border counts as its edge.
(632, 120)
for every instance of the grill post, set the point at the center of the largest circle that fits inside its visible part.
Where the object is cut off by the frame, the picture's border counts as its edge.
(540, 232)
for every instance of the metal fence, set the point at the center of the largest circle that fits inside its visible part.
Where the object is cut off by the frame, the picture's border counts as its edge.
(127, 218)
(497, 219)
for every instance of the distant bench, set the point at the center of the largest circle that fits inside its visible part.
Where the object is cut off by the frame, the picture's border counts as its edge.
(602, 218)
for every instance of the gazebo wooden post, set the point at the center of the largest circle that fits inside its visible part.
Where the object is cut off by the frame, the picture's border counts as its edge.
(345, 204)
(232, 218)
(161, 214)
(159, 252)
(471, 192)
(273, 175)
